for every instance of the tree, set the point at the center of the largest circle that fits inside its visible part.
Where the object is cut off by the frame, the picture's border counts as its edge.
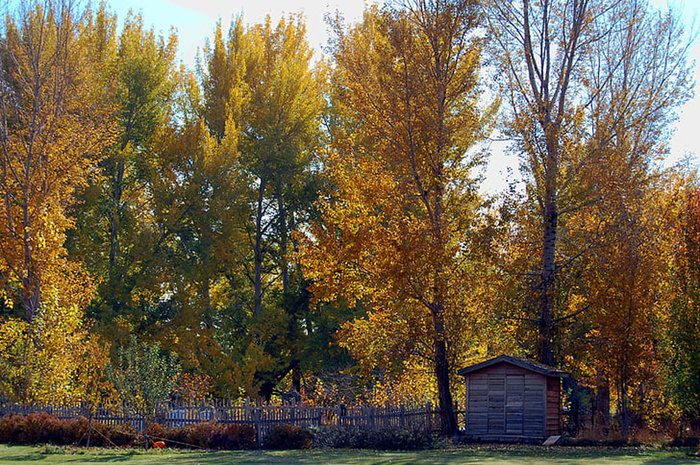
(262, 102)
(53, 129)
(46, 360)
(683, 357)
(627, 282)
(395, 232)
(116, 237)
(587, 81)
(143, 375)
(195, 203)
(281, 128)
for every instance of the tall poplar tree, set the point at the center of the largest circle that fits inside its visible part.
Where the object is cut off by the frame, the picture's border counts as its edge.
(684, 320)
(395, 232)
(591, 89)
(262, 101)
(117, 238)
(54, 125)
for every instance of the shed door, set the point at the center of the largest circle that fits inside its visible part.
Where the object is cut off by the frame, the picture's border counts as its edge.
(524, 405)
(506, 396)
(496, 420)
(515, 395)
(534, 412)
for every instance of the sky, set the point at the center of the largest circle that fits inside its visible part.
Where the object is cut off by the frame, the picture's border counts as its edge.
(195, 21)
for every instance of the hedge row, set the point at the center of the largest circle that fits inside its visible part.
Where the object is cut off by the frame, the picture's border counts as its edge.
(42, 428)
(208, 435)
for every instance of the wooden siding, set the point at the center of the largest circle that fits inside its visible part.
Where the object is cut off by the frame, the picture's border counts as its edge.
(506, 402)
(553, 406)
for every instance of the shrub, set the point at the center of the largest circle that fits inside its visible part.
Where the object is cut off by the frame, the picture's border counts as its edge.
(39, 428)
(288, 437)
(208, 435)
(690, 441)
(234, 437)
(10, 428)
(33, 428)
(202, 434)
(113, 435)
(72, 432)
(360, 438)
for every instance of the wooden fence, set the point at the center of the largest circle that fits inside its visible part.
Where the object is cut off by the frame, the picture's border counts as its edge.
(262, 418)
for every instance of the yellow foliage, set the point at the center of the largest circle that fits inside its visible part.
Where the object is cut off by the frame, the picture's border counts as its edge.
(396, 231)
(53, 359)
(55, 126)
(241, 375)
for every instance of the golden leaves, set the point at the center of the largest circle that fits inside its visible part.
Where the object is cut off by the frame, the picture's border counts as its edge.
(394, 228)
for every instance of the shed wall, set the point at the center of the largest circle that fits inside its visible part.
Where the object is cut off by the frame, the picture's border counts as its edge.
(505, 401)
(553, 406)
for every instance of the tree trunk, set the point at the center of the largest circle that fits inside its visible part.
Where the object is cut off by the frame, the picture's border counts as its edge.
(284, 243)
(547, 294)
(31, 298)
(448, 424)
(258, 249)
(117, 190)
(115, 275)
(601, 415)
(31, 283)
(296, 377)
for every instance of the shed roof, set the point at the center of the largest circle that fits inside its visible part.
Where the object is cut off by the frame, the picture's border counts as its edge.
(517, 361)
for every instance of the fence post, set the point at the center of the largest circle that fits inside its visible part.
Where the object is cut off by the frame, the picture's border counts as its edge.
(258, 425)
(429, 412)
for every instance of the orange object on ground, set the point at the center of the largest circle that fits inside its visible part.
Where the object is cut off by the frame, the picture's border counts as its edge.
(159, 445)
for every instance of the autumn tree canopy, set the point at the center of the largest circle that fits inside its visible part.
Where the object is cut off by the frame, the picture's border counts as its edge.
(278, 223)
(395, 231)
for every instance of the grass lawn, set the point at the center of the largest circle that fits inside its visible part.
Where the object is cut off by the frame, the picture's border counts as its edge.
(507, 455)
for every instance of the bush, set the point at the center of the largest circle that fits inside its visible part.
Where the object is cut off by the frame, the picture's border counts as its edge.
(105, 435)
(690, 441)
(288, 437)
(9, 429)
(235, 437)
(207, 435)
(201, 434)
(40, 428)
(32, 429)
(386, 438)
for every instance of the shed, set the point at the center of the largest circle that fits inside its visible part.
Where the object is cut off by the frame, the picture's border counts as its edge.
(512, 399)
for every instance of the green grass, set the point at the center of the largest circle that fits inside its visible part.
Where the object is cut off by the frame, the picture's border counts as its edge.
(492, 455)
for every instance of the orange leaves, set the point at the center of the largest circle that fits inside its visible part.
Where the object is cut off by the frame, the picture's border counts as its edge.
(194, 387)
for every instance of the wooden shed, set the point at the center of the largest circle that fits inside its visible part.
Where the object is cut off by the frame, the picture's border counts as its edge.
(512, 399)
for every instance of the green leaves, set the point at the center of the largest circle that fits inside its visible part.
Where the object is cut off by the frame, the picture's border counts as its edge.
(143, 374)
